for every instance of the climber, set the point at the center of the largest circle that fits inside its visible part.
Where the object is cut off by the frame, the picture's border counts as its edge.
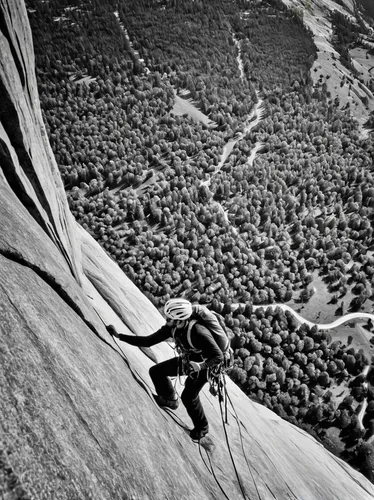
(199, 350)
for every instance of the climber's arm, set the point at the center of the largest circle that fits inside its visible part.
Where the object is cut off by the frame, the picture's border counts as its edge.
(155, 338)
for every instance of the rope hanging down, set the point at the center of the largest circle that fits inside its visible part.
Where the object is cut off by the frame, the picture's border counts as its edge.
(241, 439)
(224, 422)
(211, 471)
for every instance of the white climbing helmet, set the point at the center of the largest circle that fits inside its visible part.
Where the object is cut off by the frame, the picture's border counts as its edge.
(179, 309)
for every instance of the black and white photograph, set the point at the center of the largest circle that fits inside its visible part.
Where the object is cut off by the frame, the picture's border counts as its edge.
(186, 249)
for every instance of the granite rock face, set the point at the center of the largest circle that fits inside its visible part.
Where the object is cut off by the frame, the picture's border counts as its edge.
(77, 417)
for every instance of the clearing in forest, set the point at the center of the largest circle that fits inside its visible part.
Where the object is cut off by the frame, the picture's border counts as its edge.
(184, 106)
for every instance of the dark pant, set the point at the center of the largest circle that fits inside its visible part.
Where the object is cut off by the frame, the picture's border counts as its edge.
(160, 374)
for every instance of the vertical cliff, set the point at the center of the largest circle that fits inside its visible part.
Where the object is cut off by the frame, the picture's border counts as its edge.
(77, 418)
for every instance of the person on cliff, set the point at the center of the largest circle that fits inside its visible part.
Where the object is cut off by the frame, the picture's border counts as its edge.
(199, 351)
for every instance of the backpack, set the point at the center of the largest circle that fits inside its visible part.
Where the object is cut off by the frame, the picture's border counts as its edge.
(216, 325)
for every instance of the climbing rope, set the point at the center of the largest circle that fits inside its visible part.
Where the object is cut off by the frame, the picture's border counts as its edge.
(224, 422)
(211, 470)
(241, 439)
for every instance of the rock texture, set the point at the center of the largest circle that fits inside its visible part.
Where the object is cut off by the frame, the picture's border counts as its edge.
(77, 418)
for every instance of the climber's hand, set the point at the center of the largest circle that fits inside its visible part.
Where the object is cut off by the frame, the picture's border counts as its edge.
(112, 331)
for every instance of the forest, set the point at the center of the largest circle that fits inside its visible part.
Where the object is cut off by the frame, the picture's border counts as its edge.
(147, 183)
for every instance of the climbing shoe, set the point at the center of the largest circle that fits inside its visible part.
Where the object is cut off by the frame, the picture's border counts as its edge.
(167, 403)
(196, 434)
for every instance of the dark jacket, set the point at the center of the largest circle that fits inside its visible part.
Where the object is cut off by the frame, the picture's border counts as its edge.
(202, 340)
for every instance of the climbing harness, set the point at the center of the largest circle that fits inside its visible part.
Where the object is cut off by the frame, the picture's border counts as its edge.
(216, 375)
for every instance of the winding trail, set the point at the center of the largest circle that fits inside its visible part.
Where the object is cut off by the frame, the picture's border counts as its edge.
(134, 52)
(329, 326)
(239, 57)
(321, 326)
(253, 119)
(255, 116)
(253, 155)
